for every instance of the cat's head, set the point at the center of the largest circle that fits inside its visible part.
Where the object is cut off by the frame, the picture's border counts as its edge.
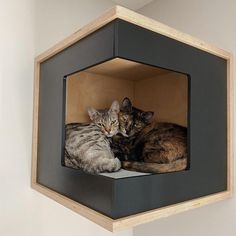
(131, 119)
(107, 119)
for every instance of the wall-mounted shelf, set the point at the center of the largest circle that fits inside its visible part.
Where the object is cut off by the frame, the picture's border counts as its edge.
(129, 48)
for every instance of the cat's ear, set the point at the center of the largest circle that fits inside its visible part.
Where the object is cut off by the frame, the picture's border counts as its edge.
(93, 113)
(126, 105)
(115, 107)
(147, 115)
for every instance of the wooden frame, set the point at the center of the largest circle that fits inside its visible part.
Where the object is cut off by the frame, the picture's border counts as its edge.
(135, 18)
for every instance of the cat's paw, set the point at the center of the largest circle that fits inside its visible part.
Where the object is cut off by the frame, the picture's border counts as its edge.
(117, 164)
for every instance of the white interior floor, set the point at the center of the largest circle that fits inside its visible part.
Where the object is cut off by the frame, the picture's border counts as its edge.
(124, 174)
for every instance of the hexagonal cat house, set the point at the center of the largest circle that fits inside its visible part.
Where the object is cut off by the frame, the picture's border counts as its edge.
(181, 79)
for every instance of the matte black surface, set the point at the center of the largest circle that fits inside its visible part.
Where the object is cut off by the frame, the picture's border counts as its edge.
(208, 120)
(208, 116)
(92, 191)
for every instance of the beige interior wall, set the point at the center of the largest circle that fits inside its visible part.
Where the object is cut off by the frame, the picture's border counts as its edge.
(166, 95)
(93, 90)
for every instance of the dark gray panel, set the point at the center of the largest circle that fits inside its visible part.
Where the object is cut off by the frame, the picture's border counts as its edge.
(207, 122)
(93, 191)
(123, 197)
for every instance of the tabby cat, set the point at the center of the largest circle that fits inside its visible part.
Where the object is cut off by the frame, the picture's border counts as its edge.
(150, 147)
(87, 146)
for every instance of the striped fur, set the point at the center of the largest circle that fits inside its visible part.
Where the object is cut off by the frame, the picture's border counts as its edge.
(87, 146)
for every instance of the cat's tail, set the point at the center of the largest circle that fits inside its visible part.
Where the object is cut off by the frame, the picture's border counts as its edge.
(146, 167)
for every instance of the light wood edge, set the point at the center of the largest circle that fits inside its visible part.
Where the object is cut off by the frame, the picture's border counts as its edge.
(35, 123)
(137, 19)
(155, 26)
(107, 17)
(230, 127)
(134, 220)
(149, 216)
(88, 213)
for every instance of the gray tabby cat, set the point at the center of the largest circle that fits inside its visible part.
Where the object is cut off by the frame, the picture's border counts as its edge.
(87, 145)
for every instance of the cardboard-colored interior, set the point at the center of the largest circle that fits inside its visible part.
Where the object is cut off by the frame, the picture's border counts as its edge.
(150, 88)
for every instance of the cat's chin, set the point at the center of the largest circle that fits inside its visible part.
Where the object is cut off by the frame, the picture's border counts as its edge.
(110, 135)
(125, 135)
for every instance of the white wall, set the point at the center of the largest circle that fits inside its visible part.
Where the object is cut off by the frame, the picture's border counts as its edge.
(57, 19)
(16, 71)
(23, 211)
(214, 22)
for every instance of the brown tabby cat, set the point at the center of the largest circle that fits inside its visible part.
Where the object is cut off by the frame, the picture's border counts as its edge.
(155, 148)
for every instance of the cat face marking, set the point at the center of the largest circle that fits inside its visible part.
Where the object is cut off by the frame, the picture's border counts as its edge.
(131, 119)
(106, 120)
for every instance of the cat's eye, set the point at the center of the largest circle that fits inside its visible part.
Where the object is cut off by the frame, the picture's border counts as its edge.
(100, 124)
(113, 122)
(136, 125)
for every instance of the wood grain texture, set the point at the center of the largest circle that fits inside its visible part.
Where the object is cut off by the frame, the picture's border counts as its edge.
(93, 90)
(98, 87)
(135, 18)
(149, 216)
(90, 214)
(166, 95)
(127, 70)
(105, 18)
(155, 26)
(134, 220)
(230, 126)
(35, 123)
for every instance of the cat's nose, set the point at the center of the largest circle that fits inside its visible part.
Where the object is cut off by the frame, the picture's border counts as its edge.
(108, 129)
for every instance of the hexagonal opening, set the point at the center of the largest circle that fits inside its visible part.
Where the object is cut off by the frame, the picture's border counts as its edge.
(163, 91)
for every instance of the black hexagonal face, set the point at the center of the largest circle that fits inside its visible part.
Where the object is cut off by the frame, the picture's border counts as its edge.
(199, 104)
